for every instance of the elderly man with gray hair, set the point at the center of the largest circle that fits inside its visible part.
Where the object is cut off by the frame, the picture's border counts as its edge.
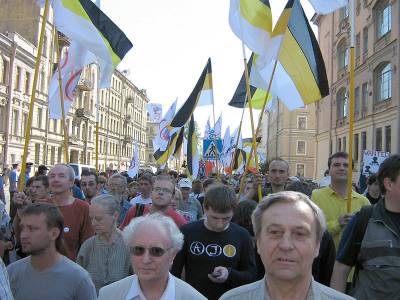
(105, 255)
(153, 242)
(288, 227)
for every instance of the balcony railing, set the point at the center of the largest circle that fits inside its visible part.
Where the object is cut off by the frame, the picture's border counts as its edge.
(85, 84)
(128, 139)
(82, 113)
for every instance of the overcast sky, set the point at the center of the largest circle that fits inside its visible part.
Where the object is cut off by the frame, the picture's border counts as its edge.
(172, 41)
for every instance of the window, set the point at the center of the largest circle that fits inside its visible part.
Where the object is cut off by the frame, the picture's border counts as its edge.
(341, 100)
(364, 96)
(2, 71)
(301, 147)
(383, 81)
(17, 82)
(339, 145)
(2, 118)
(356, 147)
(357, 99)
(302, 122)
(388, 138)
(358, 45)
(344, 144)
(383, 18)
(24, 123)
(365, 40)
(37, 153)
(300, 170)
(42, 81)
(15, 121)
(39, 117)
(59, 154)
(52, 155)
(378, 139)
(342, 51)
(27, 82)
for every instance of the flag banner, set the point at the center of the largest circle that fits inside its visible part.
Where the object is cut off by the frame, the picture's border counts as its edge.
(202, 93)
(240, 95)
(251, 22)
(226, 154)
(239, 160)
(207, 129)
(155, 111)
(179, 143)
(162, 156)
(164, 133)
(83, 22)
(300, 76)
(218, 128)
(327, 6)
(72, 64)
(192, 152)
(134, 166)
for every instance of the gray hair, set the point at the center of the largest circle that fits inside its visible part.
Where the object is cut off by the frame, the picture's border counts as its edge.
(119, 176)
(288, 197)
(108, 202)
(71, 172)
(175, 235)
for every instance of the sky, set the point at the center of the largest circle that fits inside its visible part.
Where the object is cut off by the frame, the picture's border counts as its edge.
(172, 41)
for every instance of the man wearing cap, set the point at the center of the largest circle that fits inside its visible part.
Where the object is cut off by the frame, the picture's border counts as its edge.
(189, 206)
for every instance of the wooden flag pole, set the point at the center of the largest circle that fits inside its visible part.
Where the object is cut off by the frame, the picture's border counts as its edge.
(237, 140)
(65, 129)
(258, 125)
(33, 97)
(351, 105)
(215, 137)
(254, 137)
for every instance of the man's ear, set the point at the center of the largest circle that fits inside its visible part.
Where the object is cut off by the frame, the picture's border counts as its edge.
(54, 233)
(387, 183)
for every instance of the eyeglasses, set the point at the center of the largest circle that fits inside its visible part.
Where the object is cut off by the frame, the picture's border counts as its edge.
(153, 251)
(163, 190)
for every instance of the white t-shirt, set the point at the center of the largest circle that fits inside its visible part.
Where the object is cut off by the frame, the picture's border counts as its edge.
(140, 200)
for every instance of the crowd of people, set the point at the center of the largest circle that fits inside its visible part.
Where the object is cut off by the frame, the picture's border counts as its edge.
(164, 236)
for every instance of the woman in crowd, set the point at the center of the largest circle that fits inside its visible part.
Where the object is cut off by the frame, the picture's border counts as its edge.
(105, 255)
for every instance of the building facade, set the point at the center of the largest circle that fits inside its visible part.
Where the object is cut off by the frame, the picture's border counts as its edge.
(120, 109)
(377, 107)
(290, 135)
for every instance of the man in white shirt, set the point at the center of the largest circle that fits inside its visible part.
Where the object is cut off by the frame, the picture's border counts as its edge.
(153, 242)
(145, 189)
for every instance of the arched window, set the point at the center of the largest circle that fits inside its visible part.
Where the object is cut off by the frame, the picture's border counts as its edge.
(2, 71)
(341, 100)
(342, 51)
(383, 82)
(383, 15)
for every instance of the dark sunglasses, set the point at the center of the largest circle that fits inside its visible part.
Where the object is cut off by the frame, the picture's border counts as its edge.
(153, 251)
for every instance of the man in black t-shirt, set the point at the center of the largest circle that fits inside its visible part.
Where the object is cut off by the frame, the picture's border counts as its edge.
(371, 242)
(217, 255)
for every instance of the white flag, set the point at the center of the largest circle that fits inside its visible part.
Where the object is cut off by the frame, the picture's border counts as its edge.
(226, 156)
(218, 127)
(207, 129)
(164, 134)
(72, 64)
(155, 111)
(134, 167)
(327, 6)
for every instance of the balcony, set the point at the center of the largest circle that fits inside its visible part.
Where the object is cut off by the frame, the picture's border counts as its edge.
(130, 99)
(128, 118)
(73, 139)
(82, 113)
(128, 139)
(85, 85)
(62, 40)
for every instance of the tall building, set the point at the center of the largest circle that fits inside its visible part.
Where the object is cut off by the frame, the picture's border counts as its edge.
(120, 108)
(377, 107)
(290, 135)
(151, 131)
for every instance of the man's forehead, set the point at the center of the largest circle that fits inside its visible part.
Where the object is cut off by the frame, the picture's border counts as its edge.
(278, 165)
(300, 209)
(88, 178)
(59, 169)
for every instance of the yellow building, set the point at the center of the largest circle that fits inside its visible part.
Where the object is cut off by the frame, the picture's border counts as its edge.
(377, 109)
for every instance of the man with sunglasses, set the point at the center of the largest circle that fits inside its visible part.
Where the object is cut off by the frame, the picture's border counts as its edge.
(153, 241)
(161, 195)
(217, 255)
(90, 185)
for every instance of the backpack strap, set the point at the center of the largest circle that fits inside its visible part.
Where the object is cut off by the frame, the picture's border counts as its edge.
(360, 227)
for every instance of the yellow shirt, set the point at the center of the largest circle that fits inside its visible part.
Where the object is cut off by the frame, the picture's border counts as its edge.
(333, 206)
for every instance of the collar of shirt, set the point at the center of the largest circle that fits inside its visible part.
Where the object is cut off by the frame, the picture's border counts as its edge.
(135, 292)
(333, 192)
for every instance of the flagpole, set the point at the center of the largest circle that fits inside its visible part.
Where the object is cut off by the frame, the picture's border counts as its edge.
(64, 125)
(254, 137)
(215, 137)
(237, 139)
(351, 104)
(258, 125)
(33, 97)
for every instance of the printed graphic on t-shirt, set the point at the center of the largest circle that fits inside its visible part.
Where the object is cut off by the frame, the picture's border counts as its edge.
(212, 250)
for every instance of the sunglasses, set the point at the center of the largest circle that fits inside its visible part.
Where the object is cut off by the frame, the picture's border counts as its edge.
(153, 251)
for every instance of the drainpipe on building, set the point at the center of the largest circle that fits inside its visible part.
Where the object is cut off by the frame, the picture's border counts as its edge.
(9, 102)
